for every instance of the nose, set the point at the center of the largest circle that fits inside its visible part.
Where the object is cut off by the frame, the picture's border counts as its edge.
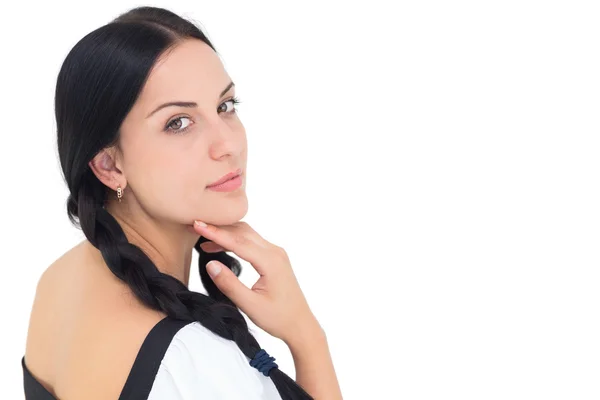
(226, 138)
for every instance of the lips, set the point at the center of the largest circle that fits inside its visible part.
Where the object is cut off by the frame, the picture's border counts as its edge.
(227, 177)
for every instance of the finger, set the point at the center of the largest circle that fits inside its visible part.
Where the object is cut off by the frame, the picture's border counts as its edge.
(240, 239)
(231, 286)
(240, 228)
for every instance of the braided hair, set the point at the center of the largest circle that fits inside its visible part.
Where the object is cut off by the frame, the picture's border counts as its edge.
(98, 83)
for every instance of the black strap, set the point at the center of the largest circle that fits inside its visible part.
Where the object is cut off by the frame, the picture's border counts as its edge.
(144, 369)
(142, 374)
(34, 389)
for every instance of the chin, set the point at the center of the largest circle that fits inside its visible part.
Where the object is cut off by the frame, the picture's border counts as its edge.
(227, 213)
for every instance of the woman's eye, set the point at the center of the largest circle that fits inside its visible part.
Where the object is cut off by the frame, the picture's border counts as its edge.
(232, 109)
(176, 126)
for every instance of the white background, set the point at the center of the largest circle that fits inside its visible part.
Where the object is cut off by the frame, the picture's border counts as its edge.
(431, 167)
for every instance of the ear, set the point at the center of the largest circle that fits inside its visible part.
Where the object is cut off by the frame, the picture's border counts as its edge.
(105, 166)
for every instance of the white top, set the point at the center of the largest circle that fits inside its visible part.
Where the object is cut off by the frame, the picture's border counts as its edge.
(199, 364)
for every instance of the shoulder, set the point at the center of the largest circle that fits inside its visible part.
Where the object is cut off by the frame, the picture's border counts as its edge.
(201, 363)
(85, 327)
(46, 316)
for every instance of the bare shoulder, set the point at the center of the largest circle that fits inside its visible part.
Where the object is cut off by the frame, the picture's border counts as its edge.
(85, 328)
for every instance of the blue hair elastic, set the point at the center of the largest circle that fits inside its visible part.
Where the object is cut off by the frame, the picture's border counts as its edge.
(263, 362)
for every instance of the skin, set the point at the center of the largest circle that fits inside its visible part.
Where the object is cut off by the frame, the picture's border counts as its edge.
(86, 327)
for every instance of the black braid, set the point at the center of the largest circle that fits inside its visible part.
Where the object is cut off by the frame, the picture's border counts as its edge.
(164, 292)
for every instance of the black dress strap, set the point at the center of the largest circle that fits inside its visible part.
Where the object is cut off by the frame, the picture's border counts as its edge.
(144, 369)
(34, 389)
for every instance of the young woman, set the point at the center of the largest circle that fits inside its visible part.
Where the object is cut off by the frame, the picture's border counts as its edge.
(151, 147)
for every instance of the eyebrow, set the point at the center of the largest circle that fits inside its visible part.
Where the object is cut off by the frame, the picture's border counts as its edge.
(188, 104)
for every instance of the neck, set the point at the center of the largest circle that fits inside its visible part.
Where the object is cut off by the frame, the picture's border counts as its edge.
(168, 245)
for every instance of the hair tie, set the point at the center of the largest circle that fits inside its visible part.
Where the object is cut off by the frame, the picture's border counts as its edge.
(263, 362)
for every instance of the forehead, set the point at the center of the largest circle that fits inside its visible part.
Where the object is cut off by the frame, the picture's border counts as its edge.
(190, 71)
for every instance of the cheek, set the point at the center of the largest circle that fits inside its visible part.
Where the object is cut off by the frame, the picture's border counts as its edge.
(169, 175)
(171, 187)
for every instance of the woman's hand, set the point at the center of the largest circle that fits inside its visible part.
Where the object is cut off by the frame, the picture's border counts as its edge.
(275, 303)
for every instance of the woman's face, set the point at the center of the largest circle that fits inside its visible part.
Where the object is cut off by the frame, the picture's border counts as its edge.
(169, 155)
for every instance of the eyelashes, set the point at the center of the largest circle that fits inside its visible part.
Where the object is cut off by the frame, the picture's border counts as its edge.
(178, 130)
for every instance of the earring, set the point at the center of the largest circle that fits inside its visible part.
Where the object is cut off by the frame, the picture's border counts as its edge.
(119, 193)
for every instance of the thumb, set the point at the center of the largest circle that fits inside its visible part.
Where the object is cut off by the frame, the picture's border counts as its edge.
(230, 285)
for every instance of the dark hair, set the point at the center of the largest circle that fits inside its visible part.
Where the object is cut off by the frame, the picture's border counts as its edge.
(97, 85)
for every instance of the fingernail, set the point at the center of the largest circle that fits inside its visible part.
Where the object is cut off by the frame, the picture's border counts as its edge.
(210, 247)
(213, 268)
(200, 223)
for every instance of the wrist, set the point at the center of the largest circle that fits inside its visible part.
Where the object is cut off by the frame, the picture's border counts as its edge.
(305, 333)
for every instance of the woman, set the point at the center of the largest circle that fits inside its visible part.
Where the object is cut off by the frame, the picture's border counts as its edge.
(147, 133)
